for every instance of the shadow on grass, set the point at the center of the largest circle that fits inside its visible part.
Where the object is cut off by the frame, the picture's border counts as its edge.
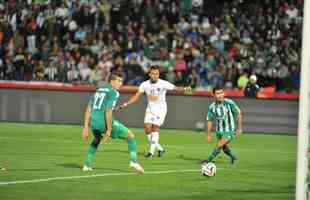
(71, 165)
(219, 159)
(187, 158)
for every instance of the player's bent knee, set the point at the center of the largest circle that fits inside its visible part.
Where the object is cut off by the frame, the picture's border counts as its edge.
(147, 130)
(96, 142)
(222, 143)
(130, 134)
(155, 128)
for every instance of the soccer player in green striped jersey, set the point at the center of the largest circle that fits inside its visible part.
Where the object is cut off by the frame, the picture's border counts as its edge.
(228, 123)
(99, 116)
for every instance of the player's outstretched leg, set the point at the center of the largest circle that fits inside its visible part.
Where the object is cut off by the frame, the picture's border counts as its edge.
(132, 147)
(230, 153)
(221, 143)
(161, 150)
(151, 139)
(91, 152)
(152, 142)
(214, 153)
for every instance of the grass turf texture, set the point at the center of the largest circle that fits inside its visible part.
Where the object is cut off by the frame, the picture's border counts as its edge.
(265, 168)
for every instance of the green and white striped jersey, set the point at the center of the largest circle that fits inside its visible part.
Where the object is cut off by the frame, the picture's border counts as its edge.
(224, 114)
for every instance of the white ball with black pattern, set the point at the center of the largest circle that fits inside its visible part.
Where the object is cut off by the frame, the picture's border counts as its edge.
(208, 169)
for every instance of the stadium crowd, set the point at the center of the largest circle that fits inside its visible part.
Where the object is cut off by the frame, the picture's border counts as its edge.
(194, 42)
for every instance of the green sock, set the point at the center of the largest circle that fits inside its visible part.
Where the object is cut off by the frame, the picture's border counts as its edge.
(230, 153)
(90, 154)
(132, 147)
(215, 152)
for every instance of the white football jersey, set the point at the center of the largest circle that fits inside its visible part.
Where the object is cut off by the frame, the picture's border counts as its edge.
(156, 92)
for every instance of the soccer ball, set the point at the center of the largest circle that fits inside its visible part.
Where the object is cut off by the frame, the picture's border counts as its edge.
(208, 169)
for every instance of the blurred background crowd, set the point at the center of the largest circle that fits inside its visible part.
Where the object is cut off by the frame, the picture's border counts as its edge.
(195, 42)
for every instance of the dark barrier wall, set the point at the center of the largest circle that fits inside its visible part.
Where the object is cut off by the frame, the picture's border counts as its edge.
(184, 112)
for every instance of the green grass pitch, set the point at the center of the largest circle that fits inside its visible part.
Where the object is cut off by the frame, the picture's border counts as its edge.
(44, 162)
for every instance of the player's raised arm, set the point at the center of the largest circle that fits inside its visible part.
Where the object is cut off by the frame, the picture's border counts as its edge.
(183, 89)
(170, 86)
(131, 100)
(85, 133)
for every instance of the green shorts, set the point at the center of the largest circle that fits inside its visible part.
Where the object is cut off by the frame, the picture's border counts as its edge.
(229, 136)
(119, 131)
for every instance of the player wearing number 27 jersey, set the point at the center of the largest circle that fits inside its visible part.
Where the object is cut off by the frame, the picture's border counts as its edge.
(99, 117)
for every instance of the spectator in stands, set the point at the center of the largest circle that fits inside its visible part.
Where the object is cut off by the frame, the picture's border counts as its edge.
(95, 76)
(179, 79)
(62, 70)
(39, 71)
(2, 69)
(29, 67)
(251, 89)
(18, 62)
(9, 69)
(73, 74)
(226, 33)
(51, 71)
(243, 80)
(193, 79)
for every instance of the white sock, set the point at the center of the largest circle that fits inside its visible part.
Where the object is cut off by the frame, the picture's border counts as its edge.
(152, 143)
(158, 146)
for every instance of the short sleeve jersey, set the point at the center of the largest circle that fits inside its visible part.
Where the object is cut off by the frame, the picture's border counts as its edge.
(224, 115)
(104, 98)
(157, 89)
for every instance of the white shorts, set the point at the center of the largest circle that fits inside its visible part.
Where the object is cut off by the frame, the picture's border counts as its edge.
(155, 115)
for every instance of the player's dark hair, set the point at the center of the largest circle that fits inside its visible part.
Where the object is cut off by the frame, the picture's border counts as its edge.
(217, 87)
(115, 75)
(154, 67)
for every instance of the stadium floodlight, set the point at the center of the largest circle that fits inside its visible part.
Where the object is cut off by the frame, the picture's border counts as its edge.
(304, 101)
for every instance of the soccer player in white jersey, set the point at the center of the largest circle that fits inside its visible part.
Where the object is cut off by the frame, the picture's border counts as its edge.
(228, 120)
(156, 110)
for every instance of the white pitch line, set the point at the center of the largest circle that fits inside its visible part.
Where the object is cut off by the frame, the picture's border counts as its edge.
(91, 176)
(132, 173)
